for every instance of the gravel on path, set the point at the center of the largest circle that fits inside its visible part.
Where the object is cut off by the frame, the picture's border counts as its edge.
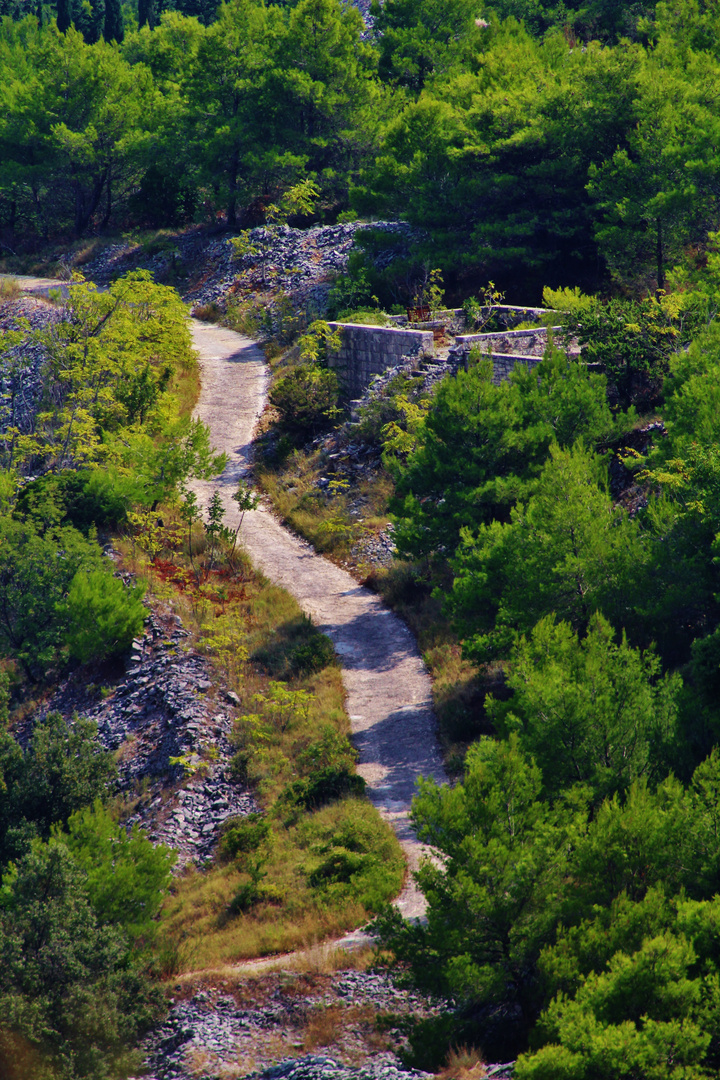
(388, 687)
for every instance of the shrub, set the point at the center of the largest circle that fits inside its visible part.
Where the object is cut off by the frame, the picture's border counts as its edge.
(307, 398)
(103, 615)
(127, 875)
(337, 867)
(74, 999)
(62, 770)
(313, 655)
(36, 570)
(243, 836)
(323, 786)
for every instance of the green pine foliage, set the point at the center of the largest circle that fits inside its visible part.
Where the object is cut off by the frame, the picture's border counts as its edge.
(589, 710)
(481, 447)
(73, 999)
(534, 144)
(62, 770)
(102, 615)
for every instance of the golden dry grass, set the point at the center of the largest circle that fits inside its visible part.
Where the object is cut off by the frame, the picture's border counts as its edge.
(186, 388)
(291, 911)
(300, 916)
(298, 969)
(463, 1063)
(9, 289)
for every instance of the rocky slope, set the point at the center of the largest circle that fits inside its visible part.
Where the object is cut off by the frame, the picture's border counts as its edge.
(160, 709)
(20, 382)
(300, 263)
(236, 1030)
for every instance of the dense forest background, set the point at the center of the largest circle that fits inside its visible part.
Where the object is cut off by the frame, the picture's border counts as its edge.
(535, 145)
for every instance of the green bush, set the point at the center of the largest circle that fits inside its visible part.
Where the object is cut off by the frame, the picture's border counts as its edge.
(323, 786)
(307, 398)
(37, 566)
(87, 498)
(127, 875)
(102, 615)
(62, 770)
(313, 655)
(354, 855)
(339, 866)
(73, 996)
(243, 836)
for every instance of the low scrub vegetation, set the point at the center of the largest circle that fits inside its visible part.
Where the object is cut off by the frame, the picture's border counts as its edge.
(319, 859)
(89, 919)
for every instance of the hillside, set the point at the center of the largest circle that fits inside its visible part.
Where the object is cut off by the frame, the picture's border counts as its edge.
(359, 519)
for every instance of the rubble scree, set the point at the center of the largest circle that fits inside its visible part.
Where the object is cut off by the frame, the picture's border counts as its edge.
(227, 1035)
(161, 709)
(21, 367)
(299, 262)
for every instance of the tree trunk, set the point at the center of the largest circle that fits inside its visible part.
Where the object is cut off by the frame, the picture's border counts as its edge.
(114, 29)
(85, 210)
(232, 190)
(108, 202)
(64, 16)
(659, 254)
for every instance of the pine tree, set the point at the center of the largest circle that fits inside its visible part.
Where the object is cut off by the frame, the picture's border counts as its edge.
(114, 29)
(64, 15)
(146, 13)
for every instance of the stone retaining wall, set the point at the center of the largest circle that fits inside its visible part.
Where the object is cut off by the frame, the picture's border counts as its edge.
(370, 350)
(503, 363)
(503, 316)
(509, 315)
(518, 342)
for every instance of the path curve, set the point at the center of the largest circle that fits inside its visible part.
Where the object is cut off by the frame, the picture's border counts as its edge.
(388, 689)
(37, 286)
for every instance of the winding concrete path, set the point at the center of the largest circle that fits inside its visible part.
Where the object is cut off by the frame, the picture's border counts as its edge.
(388, 688)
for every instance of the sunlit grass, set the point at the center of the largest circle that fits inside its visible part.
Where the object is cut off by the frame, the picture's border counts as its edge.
(325, 870)
(196, 915)
(9, 289)
(457, 690)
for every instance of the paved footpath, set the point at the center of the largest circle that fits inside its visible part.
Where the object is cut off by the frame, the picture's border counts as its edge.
(388, 688)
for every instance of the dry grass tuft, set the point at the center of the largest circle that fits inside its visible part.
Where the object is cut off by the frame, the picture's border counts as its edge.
(322, 1026)
(463, 1063)
(9, 289)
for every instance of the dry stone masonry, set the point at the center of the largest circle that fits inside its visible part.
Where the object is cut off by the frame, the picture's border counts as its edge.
(370, 350)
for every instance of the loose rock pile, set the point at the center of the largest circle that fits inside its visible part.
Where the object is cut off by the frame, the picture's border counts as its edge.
(297, 262)
(21, 367)
(216, 1034)
(163, 709)
(300, 263)
(314, 1067)
(325, 1068)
